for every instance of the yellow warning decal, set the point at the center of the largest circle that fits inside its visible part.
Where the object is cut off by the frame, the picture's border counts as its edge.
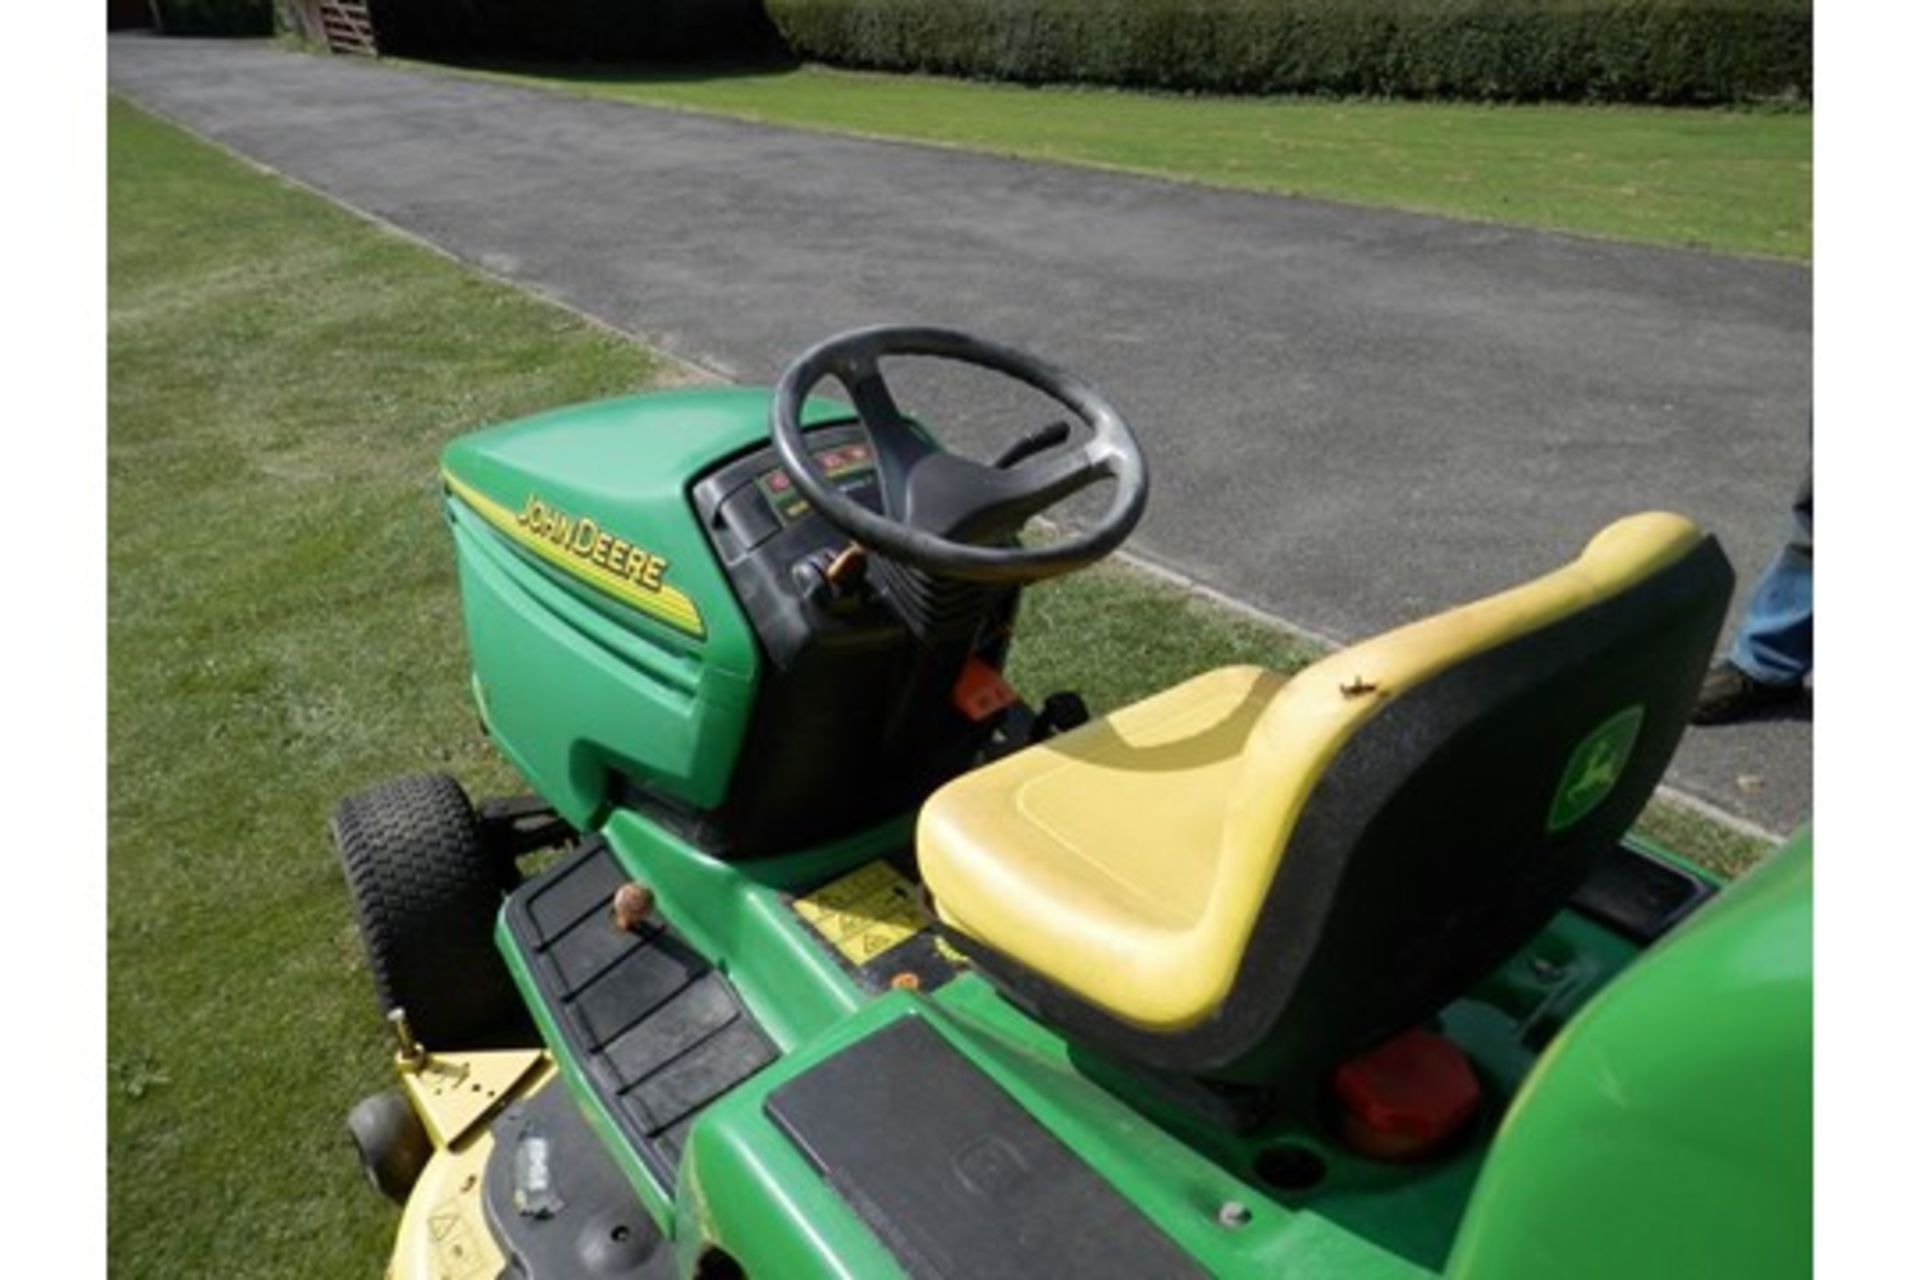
(867, 913)
(453, 1241)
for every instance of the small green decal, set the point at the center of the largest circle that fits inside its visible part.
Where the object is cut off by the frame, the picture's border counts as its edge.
(1593, 768)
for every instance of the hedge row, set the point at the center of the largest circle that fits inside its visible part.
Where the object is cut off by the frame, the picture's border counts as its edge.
(216, 17)
(1604, 50)
(576, 30)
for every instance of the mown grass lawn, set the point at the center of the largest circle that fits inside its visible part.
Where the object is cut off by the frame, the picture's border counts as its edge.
(1733, 181)
(283, 629)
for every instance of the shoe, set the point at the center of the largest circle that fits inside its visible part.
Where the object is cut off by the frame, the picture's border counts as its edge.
(1729, 694)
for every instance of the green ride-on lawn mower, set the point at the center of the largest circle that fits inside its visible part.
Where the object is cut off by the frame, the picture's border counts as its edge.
(819, 952)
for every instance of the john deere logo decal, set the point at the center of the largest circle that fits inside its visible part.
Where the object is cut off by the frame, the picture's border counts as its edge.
(1594, 767)
(580, 546)
(584, 539)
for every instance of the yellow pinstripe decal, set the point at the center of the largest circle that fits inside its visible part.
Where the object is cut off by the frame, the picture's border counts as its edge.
(590, 557)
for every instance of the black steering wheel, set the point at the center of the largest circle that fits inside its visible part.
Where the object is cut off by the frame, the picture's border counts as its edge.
(944, 514)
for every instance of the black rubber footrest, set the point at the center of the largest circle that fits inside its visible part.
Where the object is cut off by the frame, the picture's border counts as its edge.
(955, 1177)
(658, 1031)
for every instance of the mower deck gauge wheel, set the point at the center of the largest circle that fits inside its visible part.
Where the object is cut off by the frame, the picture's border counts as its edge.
(393, 1144)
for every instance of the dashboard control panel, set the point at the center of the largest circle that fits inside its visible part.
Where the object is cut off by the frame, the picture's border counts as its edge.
(752, 501)
(763, 529)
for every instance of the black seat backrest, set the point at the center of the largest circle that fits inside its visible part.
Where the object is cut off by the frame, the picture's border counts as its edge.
(1447, 829)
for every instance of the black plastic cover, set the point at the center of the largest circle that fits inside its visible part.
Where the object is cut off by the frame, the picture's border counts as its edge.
(1638, 895)
(953, 1176)
(591, 1226)
(853, 720)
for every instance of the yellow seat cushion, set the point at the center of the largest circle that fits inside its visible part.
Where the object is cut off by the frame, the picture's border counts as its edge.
(1121, 818)
(1127, 861)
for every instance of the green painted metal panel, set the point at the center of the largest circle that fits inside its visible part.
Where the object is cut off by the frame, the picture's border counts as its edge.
(1668, 1131)
(744, 1187)
(736, 914)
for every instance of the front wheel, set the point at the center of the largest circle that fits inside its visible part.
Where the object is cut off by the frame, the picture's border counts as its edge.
(425, 893)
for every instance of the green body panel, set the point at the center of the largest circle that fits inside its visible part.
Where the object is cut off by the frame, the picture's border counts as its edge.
(574, 680)
(747, 1188)
(736, 913)
(744, 1187)
(1669, 1129)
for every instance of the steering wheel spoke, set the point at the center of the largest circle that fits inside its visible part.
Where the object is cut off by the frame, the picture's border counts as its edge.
(964, 500)
(1057, 476)
(897, 447)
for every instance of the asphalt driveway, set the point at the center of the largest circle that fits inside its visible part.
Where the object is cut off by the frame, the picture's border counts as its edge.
(1353, 416)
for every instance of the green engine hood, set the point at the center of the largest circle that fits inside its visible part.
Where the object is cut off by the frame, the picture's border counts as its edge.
(604, 635)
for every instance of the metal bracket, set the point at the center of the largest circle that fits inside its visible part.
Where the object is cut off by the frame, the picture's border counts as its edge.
(513, 826)
(454, 1092)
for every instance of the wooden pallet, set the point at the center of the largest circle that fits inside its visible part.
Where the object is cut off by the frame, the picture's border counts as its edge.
(347, 27)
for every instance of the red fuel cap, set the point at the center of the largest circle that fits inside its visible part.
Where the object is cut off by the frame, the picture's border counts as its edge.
(1405, 1098)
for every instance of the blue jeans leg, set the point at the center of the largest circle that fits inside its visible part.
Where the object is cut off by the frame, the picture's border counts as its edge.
(1775, 641)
